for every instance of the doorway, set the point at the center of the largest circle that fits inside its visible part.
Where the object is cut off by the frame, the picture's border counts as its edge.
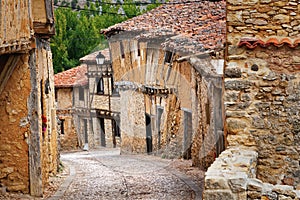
(148, 133)
(187, 135)
(102, 132)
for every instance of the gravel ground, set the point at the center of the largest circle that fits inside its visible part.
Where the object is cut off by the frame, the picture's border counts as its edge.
(105, 174)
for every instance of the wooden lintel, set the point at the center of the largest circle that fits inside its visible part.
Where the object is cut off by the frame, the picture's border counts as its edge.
(45, 29)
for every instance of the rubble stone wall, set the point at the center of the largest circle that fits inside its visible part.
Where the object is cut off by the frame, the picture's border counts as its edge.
(134, 133)
(69, 138)
(14, 129)
(262, 85)
(142, 62)
(48, 137)
(233, 176)
(64, 98)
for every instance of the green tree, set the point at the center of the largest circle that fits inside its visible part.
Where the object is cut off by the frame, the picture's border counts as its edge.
(78, 32)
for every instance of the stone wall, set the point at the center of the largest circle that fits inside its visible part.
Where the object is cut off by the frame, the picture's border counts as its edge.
(64, 98)
(48, 137)
(15, 129)
(133, 128)
(65, 112)
(233, 176)
(78, 103)
(262, 83)
(208, 136)
(141, 63)
(68, 137)
(28, 143)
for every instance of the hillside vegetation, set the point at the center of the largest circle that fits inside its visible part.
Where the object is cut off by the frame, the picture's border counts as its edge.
(78, 26)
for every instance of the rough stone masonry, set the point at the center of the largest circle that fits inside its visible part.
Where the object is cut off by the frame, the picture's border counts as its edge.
(262, 92)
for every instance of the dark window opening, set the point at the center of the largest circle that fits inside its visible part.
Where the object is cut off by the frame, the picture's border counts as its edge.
(168, 56)
(139, 52)
(100, 86)
(62, 126)
(55, 93)
(159, 115)
(42, 97)
(187, 143)
(102, 132)
(148, 133)
(115, 90)
(85, 131)
(81, 94)
(207, 111)
(116, 128)
(122, 50)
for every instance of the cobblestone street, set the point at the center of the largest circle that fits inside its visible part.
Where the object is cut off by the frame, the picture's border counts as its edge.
(105, 174)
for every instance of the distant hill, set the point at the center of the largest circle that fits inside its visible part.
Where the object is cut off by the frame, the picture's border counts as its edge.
(81, 3)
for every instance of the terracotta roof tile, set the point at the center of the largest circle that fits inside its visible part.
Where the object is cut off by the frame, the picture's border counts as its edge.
(202, 22)
(72, 77)
(252, 43)
(92, 56)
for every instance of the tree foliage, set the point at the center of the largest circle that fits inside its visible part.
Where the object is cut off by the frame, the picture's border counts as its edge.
(78, 31)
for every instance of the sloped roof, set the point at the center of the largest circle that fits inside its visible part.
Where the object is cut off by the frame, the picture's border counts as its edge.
(92, 56)
(202, 22)
(72, 77)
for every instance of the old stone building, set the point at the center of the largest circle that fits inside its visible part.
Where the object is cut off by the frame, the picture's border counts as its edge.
(71, 94)
(28, 134)
(87, 105)
(103, 100)
(168, 66)
(262, 104)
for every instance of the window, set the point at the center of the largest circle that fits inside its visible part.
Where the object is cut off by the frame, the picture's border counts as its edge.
(81, 94)
(115, 90)
(62, 126)
(100, 86)
(85, 130)
(116, 128)
(122, 50)
(168, 56)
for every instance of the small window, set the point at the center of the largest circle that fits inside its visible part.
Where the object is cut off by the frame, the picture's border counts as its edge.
(62, 126)
(114, 89)
(100, 86)
(168, 56)
(122, 50)
(116, 128)
(139, 52)
(81, 94)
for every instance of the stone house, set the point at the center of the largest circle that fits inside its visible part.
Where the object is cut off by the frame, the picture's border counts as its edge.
(86, 105)
(103, 100)
(28, 130)
(71, 93)
(168, 66)
(262, 104)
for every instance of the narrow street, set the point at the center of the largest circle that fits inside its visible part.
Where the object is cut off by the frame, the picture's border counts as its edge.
(105, 174)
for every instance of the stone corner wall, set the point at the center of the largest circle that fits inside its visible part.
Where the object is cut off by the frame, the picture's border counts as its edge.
(233, 176)
(262, 85)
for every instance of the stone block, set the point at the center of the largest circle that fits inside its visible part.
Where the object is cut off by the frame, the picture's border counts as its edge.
(236, 125)
(219, 195)
(284, 190)
(270, 196)
(281, 18)
(254, 195)
(238, 184)
(283, 197)
(237, 84)
(233, 73)
(216, 182)
(255, 185)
